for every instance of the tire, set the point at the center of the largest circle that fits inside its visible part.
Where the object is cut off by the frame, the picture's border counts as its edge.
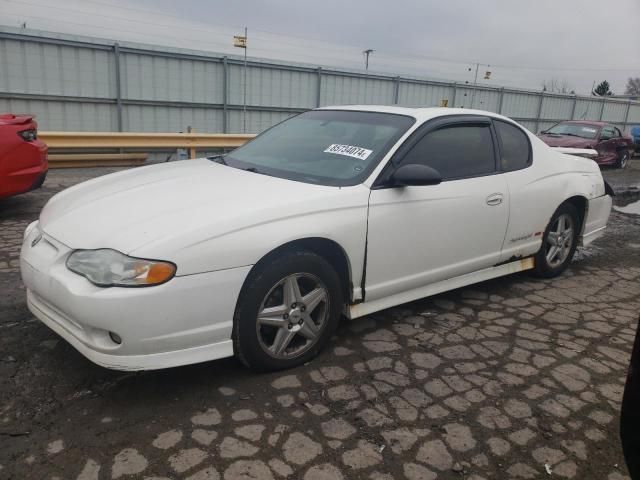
(283, 336)
(546, 267)
(623, 159)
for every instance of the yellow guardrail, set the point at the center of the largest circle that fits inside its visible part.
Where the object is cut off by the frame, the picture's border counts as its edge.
(94, 140)
(87, 160)
(81, 143)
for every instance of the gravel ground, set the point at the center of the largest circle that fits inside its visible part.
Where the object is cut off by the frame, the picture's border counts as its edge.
(508, 379)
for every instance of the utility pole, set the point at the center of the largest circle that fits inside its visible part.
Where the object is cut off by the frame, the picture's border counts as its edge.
(241, 42)
(366, 54)
(244, 93)
(475, 81)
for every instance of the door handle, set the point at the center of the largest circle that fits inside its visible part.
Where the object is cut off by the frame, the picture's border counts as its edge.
(494, 199)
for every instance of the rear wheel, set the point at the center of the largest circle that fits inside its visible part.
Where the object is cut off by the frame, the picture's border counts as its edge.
(559, 242)
(623, 159)
(287, 311)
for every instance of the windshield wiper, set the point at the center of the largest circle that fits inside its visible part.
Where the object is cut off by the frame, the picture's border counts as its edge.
(567, 134)
(255, 170)
(218, 159)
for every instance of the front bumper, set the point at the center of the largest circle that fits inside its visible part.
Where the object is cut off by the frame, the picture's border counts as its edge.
(186, 320)
(25, 170)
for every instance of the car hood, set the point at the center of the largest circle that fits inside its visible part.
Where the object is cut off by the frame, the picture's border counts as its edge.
(567, 141)
(191, 200)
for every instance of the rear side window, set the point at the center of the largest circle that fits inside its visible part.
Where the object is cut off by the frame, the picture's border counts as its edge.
(457, 151)
(515, 150)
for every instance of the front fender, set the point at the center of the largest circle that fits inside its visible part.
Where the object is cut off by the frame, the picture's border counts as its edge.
(199, 252)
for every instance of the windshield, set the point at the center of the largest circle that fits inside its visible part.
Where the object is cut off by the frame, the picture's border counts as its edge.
(574, 129)
(327, 147)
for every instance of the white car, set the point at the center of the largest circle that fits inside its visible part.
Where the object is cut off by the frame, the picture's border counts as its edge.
(337, 211)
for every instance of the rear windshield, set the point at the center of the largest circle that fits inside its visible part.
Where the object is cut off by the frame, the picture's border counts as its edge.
(328, 147)
(574, 130)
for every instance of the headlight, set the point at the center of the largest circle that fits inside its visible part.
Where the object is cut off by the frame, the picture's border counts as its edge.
(29, 135)
(110, 268)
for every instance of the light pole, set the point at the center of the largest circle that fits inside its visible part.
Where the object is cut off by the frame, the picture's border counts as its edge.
(366, 54)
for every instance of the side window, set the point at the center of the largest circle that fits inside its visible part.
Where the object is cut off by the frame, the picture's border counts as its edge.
(607, 133)
(456, 151)
(515, 149)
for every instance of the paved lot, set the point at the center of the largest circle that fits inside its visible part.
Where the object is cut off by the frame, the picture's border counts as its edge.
(512, 378)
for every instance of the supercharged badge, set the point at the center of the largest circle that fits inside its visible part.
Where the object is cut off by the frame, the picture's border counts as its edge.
(521, 238)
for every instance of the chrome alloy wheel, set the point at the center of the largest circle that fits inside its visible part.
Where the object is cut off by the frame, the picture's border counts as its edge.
(559, 240)
(293, 315)
(624, 160)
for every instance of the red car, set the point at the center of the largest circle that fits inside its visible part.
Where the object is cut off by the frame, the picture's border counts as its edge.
(23, 158)
(612, 146)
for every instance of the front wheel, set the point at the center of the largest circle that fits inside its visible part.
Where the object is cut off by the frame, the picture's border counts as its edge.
(558, 243)
(623, 159)
(287, 311)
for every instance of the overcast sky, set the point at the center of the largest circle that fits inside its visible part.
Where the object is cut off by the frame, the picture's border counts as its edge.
(525, 41)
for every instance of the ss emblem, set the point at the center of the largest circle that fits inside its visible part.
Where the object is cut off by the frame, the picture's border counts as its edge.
(36, 240)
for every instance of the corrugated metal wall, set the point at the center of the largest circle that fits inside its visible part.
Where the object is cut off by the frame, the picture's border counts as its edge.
(77, 83)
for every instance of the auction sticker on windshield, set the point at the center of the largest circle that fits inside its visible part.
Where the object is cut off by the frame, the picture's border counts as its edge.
(589, 129)
(349, 150)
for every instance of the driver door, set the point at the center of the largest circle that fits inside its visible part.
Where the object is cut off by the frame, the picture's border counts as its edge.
(607, 145)
(424, 234)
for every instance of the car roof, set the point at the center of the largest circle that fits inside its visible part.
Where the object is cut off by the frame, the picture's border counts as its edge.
(421, 114)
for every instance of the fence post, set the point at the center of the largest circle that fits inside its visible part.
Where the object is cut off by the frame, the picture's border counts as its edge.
(539, 112)
(396, 90)
(500, 100)
(455, 89)
(225, 99)
(602, 109)
(319, 90)
(116, 56)
(626, 115)
(573, 108)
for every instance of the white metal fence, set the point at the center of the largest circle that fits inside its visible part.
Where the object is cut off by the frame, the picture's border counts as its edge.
(86, 84)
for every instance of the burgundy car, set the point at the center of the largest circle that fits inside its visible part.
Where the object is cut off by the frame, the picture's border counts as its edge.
(612, 146)
(23, 157)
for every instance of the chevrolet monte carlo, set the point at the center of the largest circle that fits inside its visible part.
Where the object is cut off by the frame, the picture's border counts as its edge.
(339, 211)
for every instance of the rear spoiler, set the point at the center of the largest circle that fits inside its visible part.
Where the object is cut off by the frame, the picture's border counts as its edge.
(578, 152)
(15, 119)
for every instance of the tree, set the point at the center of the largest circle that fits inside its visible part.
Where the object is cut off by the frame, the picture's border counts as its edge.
(633, 86)
(557, 85)
(602, 89)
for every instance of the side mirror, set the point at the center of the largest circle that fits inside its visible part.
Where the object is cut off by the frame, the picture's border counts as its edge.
(415, 174)
(543, 132)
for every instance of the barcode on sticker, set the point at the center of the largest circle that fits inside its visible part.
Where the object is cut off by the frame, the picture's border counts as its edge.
(349, 150)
